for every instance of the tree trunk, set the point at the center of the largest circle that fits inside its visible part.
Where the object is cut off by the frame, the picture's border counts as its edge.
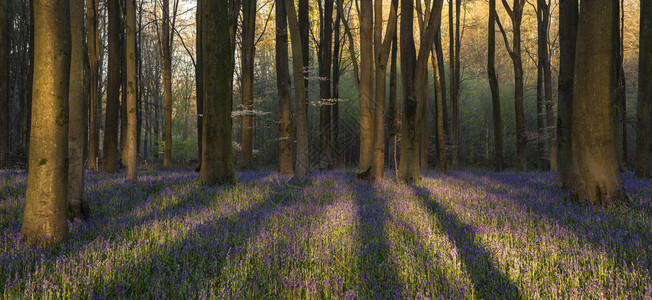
(325, 57)
(366, 87)
(199, 82)
(495, 87)
(110, 158)
(593, 146)
(644, 106)
(93, 59)
(283, 86)
(336, 91)
(166, 42)
(45, 209)
(392, 113)
(123, 84)
(442, 75)
(540, 153)
(131, 148)
(439, 109)
(77, 205)
(547, 86)
(4, 87)
(454, 123)
(247, 76)
(568, 18)
(217, 157)
(302, 163)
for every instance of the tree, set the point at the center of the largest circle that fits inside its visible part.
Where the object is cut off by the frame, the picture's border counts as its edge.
(454, 66)
(515, 14)
(45, 208)
(93, 60)
(392, 110)
(283, 86)
(440, 88)
(544, 87)
(217, 157)
(644, 106)
(132, 130)
(199, 81)
(413, 70)
(247, 76)
(336, 88)
(366, 86)
(302, 162)
(596, 174)
(110, 159)
(495, 88)
(4, 86)
(381, 54)
(166, 45)
(77, 204)
(568, 18)
(325, 58)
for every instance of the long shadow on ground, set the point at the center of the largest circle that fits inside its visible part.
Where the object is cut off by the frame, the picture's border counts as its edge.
(488, 281)
(378, 271)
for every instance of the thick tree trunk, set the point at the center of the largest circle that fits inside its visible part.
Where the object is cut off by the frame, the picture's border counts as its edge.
(110, 158)
(45, 209)
(325, 57)
(247, 76)
(93, 59)
(166, 39)
(644, 106)
(568, 18)
(366, 87)
(283, 86)
(131, 148)
(597, 179)
(217, 156)
(302, 165)
(495, 88)
(77, 205)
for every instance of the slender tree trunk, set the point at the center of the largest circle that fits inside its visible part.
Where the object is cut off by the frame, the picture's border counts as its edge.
(199, 82)
(619, 87)
(93, 59)
(366, 87)
(77, 205)
(4, 87)
(456, 72)
(593, 146)
(247, 76)
(110, 159)
(540, 154)
(302, 163)
(644, 105)
(442, 75)
(336, 91)
(325, 58)
(131, 148)
(453, 90)
(495, 87)
(217, 157)
(166, 42)
(123, 84)
(392, 113)
(283, 86)
(45, 208)
(547, 85)
(439, 108)
(568, 23)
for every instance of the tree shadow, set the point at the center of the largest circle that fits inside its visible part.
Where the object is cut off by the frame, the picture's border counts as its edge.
(488, 281)
(378, 275)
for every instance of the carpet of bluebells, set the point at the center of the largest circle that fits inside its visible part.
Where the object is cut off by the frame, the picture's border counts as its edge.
(462, 235)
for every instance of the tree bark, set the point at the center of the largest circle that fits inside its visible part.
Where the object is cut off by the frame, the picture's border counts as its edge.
(199, 82)
(166, 43)
(644, 106)
(325, 57)
(597, 179)
(4, 87)
(439, 110)
(131, 148)
(93, 59)
(302, 161)
(366, 87)
(77, 204)
(110, 158)
(495, 87)
(45, 209)
(217, 156)
(392, 113)
(283, 86)
(336, 91)
(620, 115)
(568, 23)
(247, 76)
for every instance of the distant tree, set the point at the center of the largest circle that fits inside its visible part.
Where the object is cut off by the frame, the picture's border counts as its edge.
(568, 23)
(132, 133)
(495, 87)
(544, 83)
(283, 86)
(515, 13)
(644, 106)
(77, 204)
(45, 206)
(110, 159)
(93, 60)
(381, 54)
(596, 174)
(325, 58)
(247, 78)
(217, 157)
(302, 161)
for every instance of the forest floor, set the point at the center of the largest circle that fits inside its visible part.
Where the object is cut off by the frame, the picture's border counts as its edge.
(462, 235)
